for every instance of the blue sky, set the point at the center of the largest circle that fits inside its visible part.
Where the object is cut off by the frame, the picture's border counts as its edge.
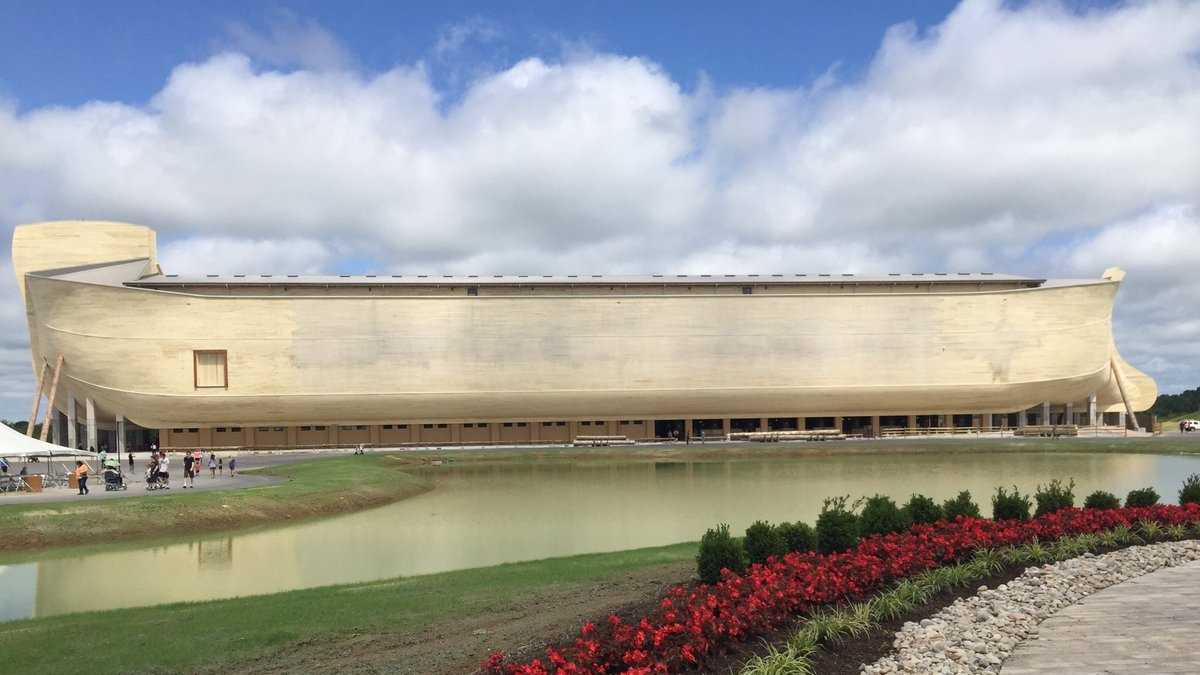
(69, 53)
(1053, 139)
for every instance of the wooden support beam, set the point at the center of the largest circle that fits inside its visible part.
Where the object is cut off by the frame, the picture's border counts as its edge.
(37, 399)
(58, 364)
(1124, 398)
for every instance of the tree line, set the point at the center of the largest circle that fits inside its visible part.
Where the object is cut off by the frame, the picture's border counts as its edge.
(1174, 405)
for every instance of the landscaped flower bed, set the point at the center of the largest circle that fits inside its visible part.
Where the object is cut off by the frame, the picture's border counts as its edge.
(693, 625)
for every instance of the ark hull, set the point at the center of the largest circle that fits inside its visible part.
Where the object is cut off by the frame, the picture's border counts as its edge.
(379, 352)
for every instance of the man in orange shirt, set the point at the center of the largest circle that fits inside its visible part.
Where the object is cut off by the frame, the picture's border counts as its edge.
(81, 473)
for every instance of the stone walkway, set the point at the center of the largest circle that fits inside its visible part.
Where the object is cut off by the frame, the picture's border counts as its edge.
(1146, 625)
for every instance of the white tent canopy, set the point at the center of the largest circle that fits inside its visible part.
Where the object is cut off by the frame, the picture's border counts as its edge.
(14, 444)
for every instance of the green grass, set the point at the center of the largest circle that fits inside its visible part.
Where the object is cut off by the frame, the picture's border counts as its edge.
(306, 489)
(1174, 420)
(170, 638)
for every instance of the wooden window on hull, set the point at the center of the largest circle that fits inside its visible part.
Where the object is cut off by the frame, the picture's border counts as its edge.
(209, 369)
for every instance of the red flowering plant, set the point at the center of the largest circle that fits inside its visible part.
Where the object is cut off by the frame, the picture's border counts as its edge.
(692, 625)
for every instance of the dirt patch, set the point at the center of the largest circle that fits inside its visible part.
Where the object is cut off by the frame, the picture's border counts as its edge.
(459, 645)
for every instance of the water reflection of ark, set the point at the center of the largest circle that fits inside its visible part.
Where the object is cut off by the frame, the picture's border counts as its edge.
(120, 579)
(215, 554)
(18, 591)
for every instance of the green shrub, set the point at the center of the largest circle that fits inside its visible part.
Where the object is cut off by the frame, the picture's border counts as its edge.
(1102, 500)
(880, 515)
(837, 526)
(1143, 497)
(1010, 505)
(1054, 496)
(960, 506)
(762, 541)
(922, 509)
(799, 537)
(1190, 492)
(719, 550)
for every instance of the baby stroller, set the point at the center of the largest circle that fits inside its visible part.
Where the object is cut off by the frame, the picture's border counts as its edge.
(113, 480)
(157, 480)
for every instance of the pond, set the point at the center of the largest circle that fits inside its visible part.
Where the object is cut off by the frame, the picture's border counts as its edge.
(485, 514)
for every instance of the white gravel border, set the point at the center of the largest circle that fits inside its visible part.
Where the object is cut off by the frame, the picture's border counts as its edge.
(975, 635)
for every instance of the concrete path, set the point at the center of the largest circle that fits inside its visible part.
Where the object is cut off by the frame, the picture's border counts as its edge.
(137, 484)
(1146, 625)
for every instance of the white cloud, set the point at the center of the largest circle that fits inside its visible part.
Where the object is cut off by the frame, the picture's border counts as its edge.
(230, 255)
(290, 40)
(475, 29)
(984, 141)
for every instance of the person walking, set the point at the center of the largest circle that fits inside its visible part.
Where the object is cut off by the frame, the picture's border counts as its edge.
(81, 474)
(130, 461)
(232, 467)
(220, 466)
(189, 470)
(212, 465)
(164, 465)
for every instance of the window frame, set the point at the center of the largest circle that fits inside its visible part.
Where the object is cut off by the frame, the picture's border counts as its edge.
(196, 368)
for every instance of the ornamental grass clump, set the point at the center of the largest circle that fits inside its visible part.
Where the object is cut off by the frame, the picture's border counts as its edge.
(922, 509)
(1054, 496)
(718, 551)
(1144, 497)
(962, 505)
(1102, 500)
(880, 515)
(1010, 505)
(799, 537)
(762, 541)
(837, 526)
(1190, 492)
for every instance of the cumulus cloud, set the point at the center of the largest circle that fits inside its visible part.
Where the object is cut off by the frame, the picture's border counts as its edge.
(985, 141)
(1157, 324)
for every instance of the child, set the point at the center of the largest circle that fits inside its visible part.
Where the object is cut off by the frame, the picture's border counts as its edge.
(212, 465)
(220, 466)
(232, 466)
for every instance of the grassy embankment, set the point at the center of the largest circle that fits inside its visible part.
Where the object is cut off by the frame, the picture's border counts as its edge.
(305, 489)
(212, 635)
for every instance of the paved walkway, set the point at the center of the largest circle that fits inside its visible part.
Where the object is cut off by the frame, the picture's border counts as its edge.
(137, 484)
(1146, 625)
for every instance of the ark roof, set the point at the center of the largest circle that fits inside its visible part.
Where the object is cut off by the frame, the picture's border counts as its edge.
(167, 280)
